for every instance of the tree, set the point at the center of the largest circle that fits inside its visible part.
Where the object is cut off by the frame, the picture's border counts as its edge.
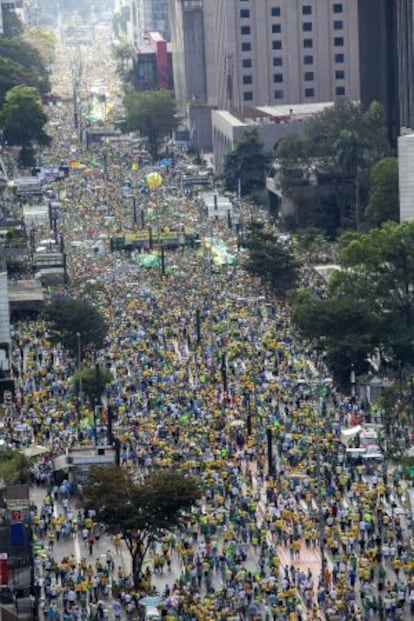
(43, 42)
(270, 259)
(94, 381)
(140, 512)
(69, 317)
(21, 64)
(246, 164)
(340, 327)
(383, 202)
(370, 301)
(325, 169)
(153, 114)
(14, 468)
(23, 120)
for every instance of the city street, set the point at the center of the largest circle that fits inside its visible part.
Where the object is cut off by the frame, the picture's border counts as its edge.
(208, 377)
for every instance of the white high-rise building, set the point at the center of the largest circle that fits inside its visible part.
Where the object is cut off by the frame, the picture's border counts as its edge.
(406, 176)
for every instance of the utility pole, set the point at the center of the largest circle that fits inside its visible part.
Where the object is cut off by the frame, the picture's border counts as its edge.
(270, 464)
(321, 512)
(224, 371)
(198, 326)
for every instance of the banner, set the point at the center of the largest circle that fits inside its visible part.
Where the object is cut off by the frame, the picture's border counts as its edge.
(4, 569)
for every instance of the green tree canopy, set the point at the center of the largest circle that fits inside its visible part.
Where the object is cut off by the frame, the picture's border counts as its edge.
(21, 63)
(153, 114)
(325, 169)
(370, 301)
(67, 317)
(140, 512)
(246, 164)
(384, 201)
(14, 468)
(43, 42)
(270, 259)
(22, 117)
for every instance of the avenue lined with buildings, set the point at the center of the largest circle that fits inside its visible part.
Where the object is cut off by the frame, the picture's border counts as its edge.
(290, 527)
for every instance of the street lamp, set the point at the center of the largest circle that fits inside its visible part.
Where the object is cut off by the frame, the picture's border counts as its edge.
(78, 336)
(353, 382)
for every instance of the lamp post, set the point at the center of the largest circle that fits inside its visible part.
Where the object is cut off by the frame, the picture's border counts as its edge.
(223, 369)
(78, 336)
(198, 326)
(353, 382)
(134, 211)
(270, 462)
(321, 511)
(97, 400)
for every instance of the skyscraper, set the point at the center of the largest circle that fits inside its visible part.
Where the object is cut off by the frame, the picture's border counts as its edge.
(267, 52)
(378, 50)
(405, 43)
(279, 51)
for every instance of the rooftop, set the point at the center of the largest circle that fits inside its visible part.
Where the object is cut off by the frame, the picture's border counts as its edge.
(261, 115)
(25, 291)
(295, 109)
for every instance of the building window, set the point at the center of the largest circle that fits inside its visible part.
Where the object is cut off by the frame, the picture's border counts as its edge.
(245, 30)
(340, 74)
(308, 60)
(277, 61)
(307, 26)
(247, 79)
(309, 76)
(307, 43)
(340, 91)
(338, 24)
(339, 58)
(278, 77)
(276, 28)
(338, 8)
(276, 11)
(306, 9)
(246, 47)
(279, 93)
(309, 92)
(246, 63)
(277, 45)
(248, 96)
(244, 13)
(338, 41)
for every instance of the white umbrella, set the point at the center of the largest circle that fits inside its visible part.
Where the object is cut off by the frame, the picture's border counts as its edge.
(35, 450)
(237, 423)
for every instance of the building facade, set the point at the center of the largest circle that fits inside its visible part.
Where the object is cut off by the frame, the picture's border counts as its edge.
(286, 51)
(277, 51)
(406, 177)
(405, 39)
(379, 58)
(271, 52)
(152, 15)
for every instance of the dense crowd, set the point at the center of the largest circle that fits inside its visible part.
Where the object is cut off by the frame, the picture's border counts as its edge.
(245, 553)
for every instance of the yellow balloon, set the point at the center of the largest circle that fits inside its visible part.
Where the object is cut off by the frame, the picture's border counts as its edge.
(154, 180)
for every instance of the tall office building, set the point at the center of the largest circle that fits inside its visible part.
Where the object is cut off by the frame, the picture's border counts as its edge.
(278, 51)
(287, 51)
(266, 52)
(405, 42)
(379, 58)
